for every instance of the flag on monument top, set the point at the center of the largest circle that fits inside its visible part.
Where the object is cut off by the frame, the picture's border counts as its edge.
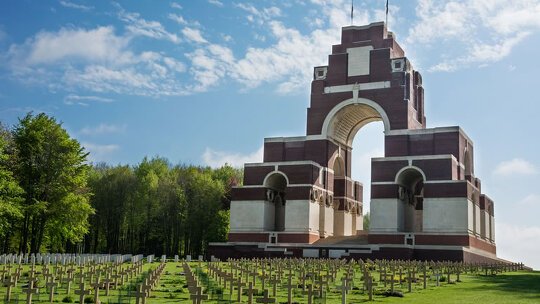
(386, 12)
(352, 11)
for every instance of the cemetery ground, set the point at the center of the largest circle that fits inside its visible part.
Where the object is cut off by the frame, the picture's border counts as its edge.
(270, 281)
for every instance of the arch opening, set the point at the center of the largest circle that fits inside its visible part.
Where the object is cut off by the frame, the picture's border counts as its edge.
(349, 116)
(342, 125)
(276, 186)
(368, 143)
(411, 199)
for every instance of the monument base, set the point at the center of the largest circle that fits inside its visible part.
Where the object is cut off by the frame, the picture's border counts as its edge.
(223, 251)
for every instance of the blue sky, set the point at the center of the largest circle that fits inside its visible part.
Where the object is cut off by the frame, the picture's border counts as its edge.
(204, 82)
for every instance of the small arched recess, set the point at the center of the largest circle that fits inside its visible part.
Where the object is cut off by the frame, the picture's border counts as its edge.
(276, 189)
(410, 182)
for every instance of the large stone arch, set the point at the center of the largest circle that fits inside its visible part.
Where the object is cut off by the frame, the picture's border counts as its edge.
(349, 116)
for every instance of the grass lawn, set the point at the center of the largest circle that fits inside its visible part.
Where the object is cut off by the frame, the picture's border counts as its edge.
(513, 287)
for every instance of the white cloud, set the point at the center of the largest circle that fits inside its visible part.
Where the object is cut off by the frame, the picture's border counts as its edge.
(152, 81)
(103, 129)
(481, 54)
(314, 22)
(288, 61)
(174, 64)
(75, 5)
(216, 3)
(222, 53)
(444, 67)
(519, 243)
(516, 166)
(152, 77)
(193, 35)
(210, 65)
(227, 38)
(507, 17)
(97, 60)
(216, 159)
(394, 19)
(259, 15)
(99, 44)
(207, 71)
(140, 27)
(99, 152)
(72, 99)
(110, 65)
(178, 19)
(439, 20)
(176, 5)
(487, 30)
(497, 51)
(259, 37)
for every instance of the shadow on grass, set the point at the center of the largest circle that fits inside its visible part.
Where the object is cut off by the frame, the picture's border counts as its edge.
(527, 284)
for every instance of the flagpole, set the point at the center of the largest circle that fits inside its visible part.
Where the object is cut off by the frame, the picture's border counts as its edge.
(386, 13)
(352, 11)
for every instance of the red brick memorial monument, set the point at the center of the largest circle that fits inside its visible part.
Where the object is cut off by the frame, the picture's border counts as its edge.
(426, 202)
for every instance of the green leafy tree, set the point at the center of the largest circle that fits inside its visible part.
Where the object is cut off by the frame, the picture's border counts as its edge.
(51, 199)
(149, 174)
(204, 196)
(218, 229)
(52, 170)
(229, 177)
(10, 192)
(154, 208)
(171, 215)
(112, 189)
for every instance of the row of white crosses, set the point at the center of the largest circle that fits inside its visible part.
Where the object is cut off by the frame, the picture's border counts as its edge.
(114, 275)
(493, 269)
(151, 281)
(62, 269)
(318, 276)
(233, 280)
(64, 259)
(275, 273)
(195, 290)
(314, 277)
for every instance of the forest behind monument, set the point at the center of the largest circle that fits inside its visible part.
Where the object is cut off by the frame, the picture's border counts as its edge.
(53, 200)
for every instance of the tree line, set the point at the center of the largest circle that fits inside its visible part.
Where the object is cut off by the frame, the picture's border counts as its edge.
(53, 200)
(157, 208)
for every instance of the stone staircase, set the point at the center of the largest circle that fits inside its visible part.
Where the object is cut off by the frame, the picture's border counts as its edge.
(361, 239)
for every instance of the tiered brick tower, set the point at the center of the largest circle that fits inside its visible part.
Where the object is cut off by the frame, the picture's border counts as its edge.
(426, 202)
